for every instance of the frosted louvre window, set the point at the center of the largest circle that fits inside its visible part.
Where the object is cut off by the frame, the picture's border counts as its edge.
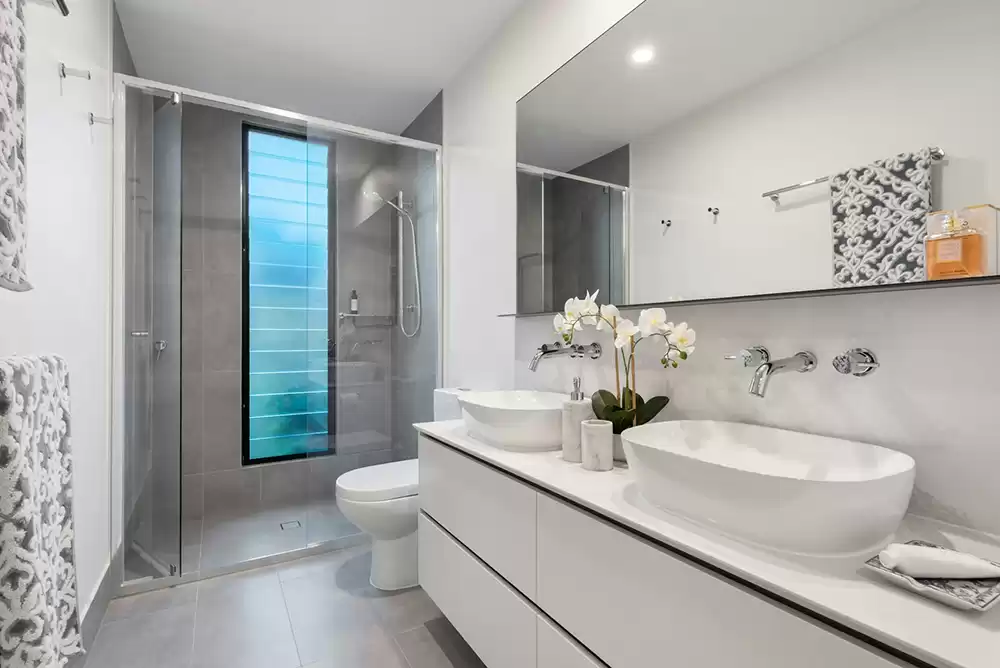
(286, 290)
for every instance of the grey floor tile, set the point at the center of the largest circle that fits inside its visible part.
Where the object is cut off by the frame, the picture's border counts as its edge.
(325, 522)
(437, 645)
(404, 610)
(242, 621)
(354, 559)
(372, 648)
(156, 640)
(154, 601)
(325, 617)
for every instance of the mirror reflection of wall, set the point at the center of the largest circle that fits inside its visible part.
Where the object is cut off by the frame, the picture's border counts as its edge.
(571, 231)
(882, 110)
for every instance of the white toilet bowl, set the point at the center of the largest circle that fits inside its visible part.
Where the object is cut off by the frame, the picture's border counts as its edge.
(382, 501)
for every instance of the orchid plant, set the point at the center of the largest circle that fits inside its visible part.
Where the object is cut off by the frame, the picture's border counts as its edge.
(626, 408)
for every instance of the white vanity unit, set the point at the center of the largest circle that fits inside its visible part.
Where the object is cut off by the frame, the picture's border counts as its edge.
(540, 564)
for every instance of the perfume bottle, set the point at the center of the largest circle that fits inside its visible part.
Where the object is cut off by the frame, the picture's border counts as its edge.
(958, 251)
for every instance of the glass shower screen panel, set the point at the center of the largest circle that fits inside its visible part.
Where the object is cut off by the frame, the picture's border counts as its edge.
(152, 316)
(381, 308)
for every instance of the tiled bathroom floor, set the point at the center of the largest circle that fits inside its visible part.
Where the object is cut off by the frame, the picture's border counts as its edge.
(319, 612)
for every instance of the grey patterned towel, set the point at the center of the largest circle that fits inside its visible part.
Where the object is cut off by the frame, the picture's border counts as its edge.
(39, 614)
(880, 221)
(13, 191)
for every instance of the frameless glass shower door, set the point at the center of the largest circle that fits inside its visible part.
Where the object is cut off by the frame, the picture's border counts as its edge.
(152, 317)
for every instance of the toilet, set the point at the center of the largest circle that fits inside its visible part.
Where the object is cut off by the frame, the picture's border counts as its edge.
(382, 501)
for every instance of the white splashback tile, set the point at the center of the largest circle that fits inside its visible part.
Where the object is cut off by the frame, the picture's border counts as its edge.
(935, 397)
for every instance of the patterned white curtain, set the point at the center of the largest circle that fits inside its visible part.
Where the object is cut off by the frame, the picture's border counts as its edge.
(39, 613)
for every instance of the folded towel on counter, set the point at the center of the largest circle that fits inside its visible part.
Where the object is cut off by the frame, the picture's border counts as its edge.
(919, 561)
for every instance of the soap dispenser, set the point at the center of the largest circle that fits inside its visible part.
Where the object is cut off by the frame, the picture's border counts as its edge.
(575, 410)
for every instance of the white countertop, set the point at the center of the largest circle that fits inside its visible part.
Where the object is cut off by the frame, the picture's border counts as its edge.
(837, 589)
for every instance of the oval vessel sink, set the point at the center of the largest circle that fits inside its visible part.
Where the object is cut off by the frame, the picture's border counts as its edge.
(781, 489)
(515, 420)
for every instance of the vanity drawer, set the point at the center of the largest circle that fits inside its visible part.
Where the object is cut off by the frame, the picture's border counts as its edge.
(628, 600)
(489, 512)
(558, 650)
(493, 618)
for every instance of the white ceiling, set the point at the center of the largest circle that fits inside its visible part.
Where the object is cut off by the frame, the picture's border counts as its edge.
(373, 63)
(705, 50)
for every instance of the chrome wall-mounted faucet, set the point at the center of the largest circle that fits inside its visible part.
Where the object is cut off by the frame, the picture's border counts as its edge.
(557, 349)
(801, 362)
(856, 362)
(753, 356)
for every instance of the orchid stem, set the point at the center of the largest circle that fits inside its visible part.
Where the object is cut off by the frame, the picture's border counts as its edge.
(618, 382)
(635, 416)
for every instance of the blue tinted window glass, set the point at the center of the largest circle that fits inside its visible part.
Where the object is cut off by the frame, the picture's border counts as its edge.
(287, 229)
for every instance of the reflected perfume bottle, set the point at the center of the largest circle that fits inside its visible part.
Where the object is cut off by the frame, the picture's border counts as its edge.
(958, 251)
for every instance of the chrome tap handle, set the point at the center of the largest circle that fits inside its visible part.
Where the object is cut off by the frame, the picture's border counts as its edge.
(753, 356)
(594, 351)
(856, 362)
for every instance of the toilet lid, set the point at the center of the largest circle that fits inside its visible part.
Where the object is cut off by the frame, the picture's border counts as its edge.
(382, 482)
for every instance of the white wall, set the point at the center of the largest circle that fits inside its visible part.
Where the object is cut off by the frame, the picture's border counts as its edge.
(872, 97)
(69, 206)
(480, 187)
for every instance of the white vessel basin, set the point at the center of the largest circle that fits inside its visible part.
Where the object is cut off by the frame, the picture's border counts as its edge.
(515, 420)
(781, 489)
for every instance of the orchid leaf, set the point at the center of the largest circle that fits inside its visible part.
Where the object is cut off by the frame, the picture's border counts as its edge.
(620, 419)
(649, 410)
(603, 402)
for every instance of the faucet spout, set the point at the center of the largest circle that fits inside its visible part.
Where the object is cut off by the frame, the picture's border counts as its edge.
(800, 362)
(557, 349)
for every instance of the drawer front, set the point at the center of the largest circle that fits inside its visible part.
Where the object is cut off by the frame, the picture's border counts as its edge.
(557, 650)
(493, 618)
(490, 513)
(632, 603)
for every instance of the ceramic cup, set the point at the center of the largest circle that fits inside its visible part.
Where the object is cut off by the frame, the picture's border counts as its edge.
(596, 445)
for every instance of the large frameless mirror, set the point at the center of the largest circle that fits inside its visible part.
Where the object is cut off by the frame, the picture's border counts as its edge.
(767, 148)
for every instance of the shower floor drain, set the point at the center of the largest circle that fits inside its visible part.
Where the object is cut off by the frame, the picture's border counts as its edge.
(294, 524)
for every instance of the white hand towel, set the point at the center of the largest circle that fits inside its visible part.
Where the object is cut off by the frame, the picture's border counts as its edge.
(919, 561)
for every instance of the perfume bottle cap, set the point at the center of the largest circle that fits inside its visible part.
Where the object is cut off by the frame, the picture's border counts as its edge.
(577, 394)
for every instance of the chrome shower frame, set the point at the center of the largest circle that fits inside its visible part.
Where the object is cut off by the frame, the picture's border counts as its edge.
(122, 83)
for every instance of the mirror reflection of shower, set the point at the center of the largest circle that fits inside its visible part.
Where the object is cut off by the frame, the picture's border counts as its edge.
(401, 210)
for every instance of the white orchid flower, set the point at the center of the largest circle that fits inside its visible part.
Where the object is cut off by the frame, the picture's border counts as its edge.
(626, 330)
(609, 313)
(560, 324)
(573, 308)
(653, 321)
(588, 308)
(673, 354)
(683, 337)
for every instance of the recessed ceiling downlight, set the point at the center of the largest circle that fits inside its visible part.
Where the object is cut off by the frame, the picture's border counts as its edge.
(642, 55)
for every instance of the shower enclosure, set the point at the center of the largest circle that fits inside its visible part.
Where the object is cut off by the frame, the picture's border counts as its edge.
(277, 296)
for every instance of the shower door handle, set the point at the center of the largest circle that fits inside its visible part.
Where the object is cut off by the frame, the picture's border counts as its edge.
(159, 347)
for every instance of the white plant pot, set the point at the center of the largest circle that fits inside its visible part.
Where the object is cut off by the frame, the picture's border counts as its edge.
(618, 449)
